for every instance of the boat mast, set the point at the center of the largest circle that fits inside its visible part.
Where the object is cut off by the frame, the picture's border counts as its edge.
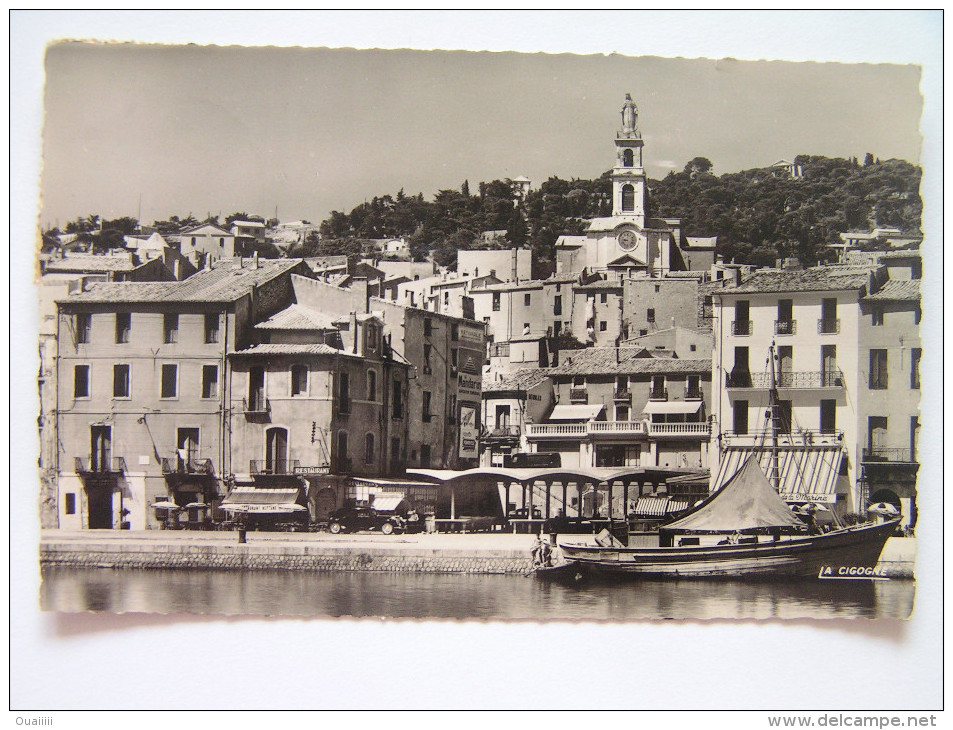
(774, 470)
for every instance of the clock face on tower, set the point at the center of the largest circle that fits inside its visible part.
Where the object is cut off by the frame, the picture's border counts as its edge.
(627, 240)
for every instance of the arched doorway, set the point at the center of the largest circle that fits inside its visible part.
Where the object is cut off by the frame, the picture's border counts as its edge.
(886, 495)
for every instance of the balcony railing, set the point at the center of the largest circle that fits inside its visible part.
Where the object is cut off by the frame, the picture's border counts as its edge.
(797, 379)
(828, 326)
(114, 465)
(890, 455)
(700, 428)
(633, 428)
(801, 437)
(555, 430)
(622, 394)
(692, 393)
(256, 404)
(278, 466)
(503, 433)
(658, 394)
(178, 465)
(578, 395)
(785, 326)
(741, 329)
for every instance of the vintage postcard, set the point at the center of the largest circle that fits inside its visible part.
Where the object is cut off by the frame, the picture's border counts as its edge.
(458, 335)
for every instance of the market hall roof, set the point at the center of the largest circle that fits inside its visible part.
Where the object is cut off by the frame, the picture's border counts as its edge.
(897, 290)
(820, 278)
(571, 474)
(623, 361)
(226, 281)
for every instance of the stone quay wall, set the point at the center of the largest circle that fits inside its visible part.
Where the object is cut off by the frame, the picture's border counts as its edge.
(283, 557)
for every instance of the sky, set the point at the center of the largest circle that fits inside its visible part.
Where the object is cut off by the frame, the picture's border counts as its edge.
(211, 129)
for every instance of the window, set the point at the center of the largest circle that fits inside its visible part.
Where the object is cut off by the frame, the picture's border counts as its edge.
(557, 328)
(622, 413)
(371, 385)
(558, 305)
(658, 387)
(627, 158)
(428, 348)
(70, 503)
(603, 326)
(369, 448)
(740, 417)
(211, 328)
(915, 354)
(527, 300)
(424, 455)
(650, 315)
(693, 386)
(876, 434)
(454, 333)
(83, 323)
(426, 407)
(276, 451)
(120, 381)
(785, 412)
(658, 288)
(342, 451)
(170, 327)
(398, 401)
(344, 392)
(221, 242)
(81, 381)
(170, 376)
(209, 381)
(256, 390)
(603, 298)
(828, 415)
(628, 198)
(123, 324)
(917, 313)
(428, 327)
(877, 316)
(453, 356)
(878, 370)
(691, 348)
(578, 381)
(496, 301)
(299, 380)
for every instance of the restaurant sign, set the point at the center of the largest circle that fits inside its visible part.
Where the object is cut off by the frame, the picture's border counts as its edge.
(808, 497)
(469, 432)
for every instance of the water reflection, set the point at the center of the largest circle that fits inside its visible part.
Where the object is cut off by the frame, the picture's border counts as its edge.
(460, 596)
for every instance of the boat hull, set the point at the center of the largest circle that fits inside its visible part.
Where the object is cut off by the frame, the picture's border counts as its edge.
(798, 557)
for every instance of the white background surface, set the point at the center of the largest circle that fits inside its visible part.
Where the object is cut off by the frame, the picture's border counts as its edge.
(143, 661)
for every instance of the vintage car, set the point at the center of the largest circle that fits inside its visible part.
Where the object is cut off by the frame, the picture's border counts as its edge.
(353, 519)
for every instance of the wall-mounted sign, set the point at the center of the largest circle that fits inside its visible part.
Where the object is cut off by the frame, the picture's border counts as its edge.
(469, 432)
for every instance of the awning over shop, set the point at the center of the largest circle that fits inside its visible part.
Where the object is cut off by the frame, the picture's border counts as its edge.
(576, 412)
(388, 501)
(746, 502)
(808, 474)
(651, 506)
(672, 406)
(261, 501)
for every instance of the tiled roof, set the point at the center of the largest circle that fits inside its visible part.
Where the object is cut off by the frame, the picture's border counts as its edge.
(514, 286)
(519, 380)
(629, 361)
(897, 290)
(603, 284)
(222, 283)
(297, 317)
(91, 262)
(298, 349)
(821, 278)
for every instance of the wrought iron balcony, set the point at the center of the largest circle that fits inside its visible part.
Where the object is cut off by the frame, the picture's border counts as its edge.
(622, 394)
(177, 465)
(742, 329)
(692, 393)
(799, 379)
(504, 433)
(785, 326)
(888, 455)
(256, 405)
(828, 326)
(658, 394)
(578, 395)
(114, 465)
(277, 466)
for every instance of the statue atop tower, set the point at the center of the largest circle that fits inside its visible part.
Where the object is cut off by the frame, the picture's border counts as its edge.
(630, 118)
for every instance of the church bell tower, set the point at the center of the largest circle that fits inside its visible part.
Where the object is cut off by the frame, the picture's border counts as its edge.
(628, 175)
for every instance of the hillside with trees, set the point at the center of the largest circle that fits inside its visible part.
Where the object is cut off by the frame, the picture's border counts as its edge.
(758, 215)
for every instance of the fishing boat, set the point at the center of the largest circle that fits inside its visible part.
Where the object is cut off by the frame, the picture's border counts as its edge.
(742, 530)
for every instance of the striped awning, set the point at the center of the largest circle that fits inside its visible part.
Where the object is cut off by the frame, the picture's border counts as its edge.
(651, 506)
(257, 500)
(808, 474)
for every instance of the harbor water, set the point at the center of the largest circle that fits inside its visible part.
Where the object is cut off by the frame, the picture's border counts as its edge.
(442, 596)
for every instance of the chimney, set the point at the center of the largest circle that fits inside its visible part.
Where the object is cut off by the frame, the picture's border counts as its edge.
(354, 331)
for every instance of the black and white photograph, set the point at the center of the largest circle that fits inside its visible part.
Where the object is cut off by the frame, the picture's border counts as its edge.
(381, 333)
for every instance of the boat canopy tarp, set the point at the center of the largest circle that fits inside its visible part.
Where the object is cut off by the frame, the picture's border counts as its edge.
(807, 473)
(746, 502)
(672, 406)
(576, 412)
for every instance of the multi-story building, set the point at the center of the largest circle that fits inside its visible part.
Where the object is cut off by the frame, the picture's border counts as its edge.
(624, 407)
(597, 312)
(141, 379)
(813, 321)
(510, 402)
(653, 304)
(507, 264)
(208, 240)
(513, 310)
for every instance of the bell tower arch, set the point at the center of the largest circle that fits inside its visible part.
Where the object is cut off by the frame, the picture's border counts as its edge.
(628, 175)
